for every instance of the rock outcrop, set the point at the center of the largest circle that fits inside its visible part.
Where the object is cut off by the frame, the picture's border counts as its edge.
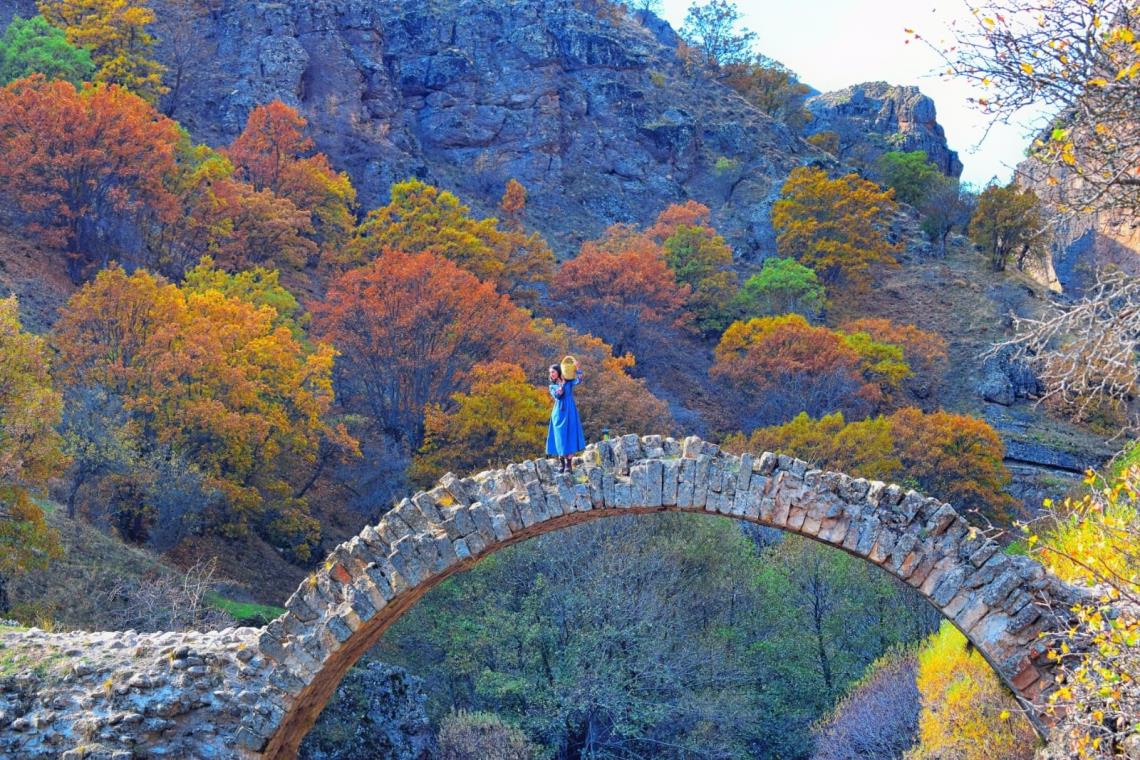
(589, 108)
(875, 117)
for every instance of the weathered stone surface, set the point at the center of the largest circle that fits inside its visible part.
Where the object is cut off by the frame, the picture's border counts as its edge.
(875, 117)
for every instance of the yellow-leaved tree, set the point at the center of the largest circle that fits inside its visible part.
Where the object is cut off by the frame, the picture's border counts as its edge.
(115, 31)
(966, 712)
(29, 446)
(1093, 540)
(501, 419)
(838, 227)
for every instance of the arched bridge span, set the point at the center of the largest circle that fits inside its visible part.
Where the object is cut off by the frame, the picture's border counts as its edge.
(256, 692)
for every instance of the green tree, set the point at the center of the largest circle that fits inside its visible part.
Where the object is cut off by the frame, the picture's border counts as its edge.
(33, 46)
(911, 175)
(702, 259)
(782, 286)
(1007, 225)
(29, 447)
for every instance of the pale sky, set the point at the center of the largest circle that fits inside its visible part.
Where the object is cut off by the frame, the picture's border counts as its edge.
(831, 44)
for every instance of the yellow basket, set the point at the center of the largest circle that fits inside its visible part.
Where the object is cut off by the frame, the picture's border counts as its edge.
(569, 368)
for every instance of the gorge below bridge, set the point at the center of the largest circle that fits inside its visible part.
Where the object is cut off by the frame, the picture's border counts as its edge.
(255, 692)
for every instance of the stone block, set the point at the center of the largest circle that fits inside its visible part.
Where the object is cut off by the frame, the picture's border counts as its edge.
(427, 507)
(670, 473)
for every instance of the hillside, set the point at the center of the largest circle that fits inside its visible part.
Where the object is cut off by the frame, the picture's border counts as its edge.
(591, 111)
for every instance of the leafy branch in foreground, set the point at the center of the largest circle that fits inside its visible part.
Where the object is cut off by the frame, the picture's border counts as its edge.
(1080, 60)
(1094, 540)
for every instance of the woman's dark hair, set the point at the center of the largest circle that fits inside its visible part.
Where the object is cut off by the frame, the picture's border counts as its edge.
(556, 368)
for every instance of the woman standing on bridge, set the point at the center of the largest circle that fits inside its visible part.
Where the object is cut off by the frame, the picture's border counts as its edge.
(564, 437)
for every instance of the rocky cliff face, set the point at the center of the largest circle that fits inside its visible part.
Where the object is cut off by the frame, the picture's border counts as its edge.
(875, 117)
(592, 111)
(1082, 244)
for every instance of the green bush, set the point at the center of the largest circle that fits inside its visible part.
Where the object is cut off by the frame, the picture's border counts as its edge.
(781, 287)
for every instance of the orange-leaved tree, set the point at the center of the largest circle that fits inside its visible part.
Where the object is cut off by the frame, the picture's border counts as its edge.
(501, 419)
(784, 365)
(224, 217)
(217, 379)
(29, 447)
(422, 218)
(953, 457)
(409, 327)
(620, 289)
(688, 214)
(74, 160)
(838, 227)
(274, 153)
(115, 31)
(924, 351)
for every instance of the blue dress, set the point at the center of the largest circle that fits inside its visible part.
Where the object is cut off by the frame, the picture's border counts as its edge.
(564, 437)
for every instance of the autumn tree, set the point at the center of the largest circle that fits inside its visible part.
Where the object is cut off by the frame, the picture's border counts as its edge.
(783, 365)
(838, 227)
(827, 141)
(780, 287)
(75, 160)
(421, 218)
(771, 87)
(513, 203)
(966, 711)
(501, 419)
(702, 260)
(34, 46)
(714, 29)
(274, 153)
(1078, 60)
(409, 328)
(1092, 539)
(116, 33)
(620, 289)
(222, 216)
(219, 380)
(925, 352)
(910, 174)
(29, 447)
(864, 448)
(953, 457)
(1007, 225)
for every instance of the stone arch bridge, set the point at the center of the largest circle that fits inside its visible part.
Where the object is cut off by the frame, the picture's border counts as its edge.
(251, 692)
